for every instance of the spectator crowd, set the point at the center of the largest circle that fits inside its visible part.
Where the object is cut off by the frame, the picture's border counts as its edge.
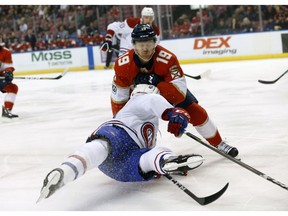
(45, 27)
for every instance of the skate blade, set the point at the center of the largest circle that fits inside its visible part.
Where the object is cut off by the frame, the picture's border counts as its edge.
(173, 166)
(45, 191)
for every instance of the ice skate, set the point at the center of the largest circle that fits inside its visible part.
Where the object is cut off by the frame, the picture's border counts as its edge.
(6, 113)
(181, 164)
(52, 183)
(227, 149)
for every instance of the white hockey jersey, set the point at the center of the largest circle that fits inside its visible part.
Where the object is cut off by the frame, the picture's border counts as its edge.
(140, 118)
(123, 31)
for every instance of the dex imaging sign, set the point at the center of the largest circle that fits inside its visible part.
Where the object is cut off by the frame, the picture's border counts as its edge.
(214, 45)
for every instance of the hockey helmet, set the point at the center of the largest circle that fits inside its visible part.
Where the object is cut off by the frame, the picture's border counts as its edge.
(143, 32)
(147, 11)
(146, 89)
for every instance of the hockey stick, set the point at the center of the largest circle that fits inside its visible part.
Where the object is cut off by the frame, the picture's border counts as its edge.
(193, 77)
(199, 76)
(110, 50)
(117, 51)
(246, 166)
(201, 200)
(41, 78)
(272, 81)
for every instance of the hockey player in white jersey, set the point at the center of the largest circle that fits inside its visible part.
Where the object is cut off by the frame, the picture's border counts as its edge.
(123, 30)
(124, 148)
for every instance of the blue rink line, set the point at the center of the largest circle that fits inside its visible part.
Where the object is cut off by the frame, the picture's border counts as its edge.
(90, 57)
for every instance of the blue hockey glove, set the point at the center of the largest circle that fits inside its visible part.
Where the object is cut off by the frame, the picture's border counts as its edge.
(178, 120)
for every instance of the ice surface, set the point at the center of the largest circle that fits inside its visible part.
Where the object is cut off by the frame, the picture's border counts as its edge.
(57, 116)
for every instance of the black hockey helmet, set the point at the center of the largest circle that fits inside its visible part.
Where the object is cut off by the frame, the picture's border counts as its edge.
(143, 32)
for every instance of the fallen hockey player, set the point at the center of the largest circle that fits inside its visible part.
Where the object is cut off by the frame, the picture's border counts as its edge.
(124, 148)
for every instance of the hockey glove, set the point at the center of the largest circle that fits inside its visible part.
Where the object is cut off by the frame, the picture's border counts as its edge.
(178, 120)
(147, 78)
(8, 74)
(107, 43)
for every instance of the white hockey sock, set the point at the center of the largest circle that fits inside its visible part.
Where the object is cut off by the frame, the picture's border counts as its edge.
(150, 161)
(10, 97)
(207, 129)
(86, 157)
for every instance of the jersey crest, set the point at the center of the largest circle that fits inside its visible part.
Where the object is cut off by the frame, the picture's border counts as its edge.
(174, 71)
(148, 133)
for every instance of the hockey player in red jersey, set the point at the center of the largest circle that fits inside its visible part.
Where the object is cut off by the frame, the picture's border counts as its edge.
(122, 30)
(150, 63)
(6, 85)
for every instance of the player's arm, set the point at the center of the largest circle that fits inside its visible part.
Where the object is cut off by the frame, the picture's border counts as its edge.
(154, 104)
(121, 85)
(119, 97)
(7, 68)
(173, 87)
(112, 29)
(157, 32)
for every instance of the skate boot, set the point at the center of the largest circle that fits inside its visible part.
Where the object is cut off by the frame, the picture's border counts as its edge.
(52, 183)
(6, 113)
(180, 165)
(227, 149)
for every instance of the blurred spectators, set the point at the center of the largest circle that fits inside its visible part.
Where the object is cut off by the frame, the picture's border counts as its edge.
(31, 38)
(40, 27)
(246, 25)
(22, 25)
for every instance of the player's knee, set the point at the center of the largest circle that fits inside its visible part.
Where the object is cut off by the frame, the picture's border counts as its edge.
(11, 88)
(197, 113)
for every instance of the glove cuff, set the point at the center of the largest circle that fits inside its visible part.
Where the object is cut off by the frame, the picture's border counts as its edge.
(170, 111)
(165, 116)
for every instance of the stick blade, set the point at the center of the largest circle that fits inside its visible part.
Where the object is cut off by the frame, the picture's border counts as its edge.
(63, 74)
(209, 199)
(266, 82)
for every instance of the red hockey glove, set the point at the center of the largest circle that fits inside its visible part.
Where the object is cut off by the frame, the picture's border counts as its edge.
(178, 120)
(107, 43)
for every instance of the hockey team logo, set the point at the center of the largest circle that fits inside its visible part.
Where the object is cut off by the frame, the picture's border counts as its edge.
(148, 133)
(174, 71)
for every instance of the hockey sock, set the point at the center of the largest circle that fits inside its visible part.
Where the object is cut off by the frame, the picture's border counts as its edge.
(151, 160)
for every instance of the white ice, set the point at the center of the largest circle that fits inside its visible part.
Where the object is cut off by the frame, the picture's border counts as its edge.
(57, 116)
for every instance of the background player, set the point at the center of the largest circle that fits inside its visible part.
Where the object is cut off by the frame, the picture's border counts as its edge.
(125, 148)
(6, 77)
(153, 64)
(124, 29)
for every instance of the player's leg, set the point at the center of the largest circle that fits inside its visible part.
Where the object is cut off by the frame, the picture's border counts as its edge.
(204, 125)
(88, 156)
(11, 91)
(162, 160)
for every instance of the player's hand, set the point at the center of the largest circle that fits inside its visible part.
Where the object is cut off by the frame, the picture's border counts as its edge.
(178, 120)
(147, 78)
(8, 74)
(107, 44)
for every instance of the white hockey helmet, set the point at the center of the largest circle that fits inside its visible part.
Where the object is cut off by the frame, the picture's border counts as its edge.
(147, 11)
(145, 88)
